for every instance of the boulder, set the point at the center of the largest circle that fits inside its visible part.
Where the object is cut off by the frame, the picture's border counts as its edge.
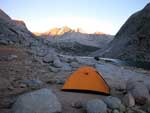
(48, 58)
(139, 91)
(12, 57)
(66, 67)
(59, 81)
(64, 59)
(116, 111)
(40, 101)
(33, 84)
(4, 42)
(40, 51)
(113, 102)
(146, 107)
(129, 100)
(135, 110)
(57, 63)
(74, 64)
(53, 69)
(148, 87)
(77, 104)
(96, 106)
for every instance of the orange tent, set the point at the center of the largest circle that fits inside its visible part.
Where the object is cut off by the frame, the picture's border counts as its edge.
(86, 79)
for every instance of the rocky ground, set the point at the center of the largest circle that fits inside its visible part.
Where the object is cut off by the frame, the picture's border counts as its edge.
(25, 78)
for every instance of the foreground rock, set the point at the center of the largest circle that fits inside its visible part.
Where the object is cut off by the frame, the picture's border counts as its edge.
(129, 100)
(114, 103)
(48, 58)
(146, 107)
(135, 110)
(139, 92)
(96, 106)
(40, 101)
(33, 84)
(57, 63)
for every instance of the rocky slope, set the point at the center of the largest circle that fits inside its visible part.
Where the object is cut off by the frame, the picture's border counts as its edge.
(14, 31)
(132, 42)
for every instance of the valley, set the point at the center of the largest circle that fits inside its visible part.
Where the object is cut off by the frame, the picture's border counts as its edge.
(35, 66)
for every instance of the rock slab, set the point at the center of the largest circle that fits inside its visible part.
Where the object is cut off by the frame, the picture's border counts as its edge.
(40, 101)
(96, 106)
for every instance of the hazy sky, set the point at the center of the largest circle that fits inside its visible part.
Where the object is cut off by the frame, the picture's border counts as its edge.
(90, 15)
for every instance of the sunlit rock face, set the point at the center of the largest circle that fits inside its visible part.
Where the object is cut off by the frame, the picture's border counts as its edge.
(61, 31)
(132, 42)
(58, 31)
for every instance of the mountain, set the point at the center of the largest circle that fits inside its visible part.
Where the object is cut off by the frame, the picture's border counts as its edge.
(132, 42)
(65, 40)
(54, 32)
(77, 43)
(14, 31)
(60, 31)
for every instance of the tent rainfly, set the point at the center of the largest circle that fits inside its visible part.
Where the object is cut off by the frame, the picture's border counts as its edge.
(86, 79)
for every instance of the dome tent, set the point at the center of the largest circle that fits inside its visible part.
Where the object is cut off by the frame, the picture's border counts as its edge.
(86, 79)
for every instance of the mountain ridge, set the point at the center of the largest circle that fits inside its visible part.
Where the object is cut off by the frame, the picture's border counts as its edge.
(57, 31)
(132, 42)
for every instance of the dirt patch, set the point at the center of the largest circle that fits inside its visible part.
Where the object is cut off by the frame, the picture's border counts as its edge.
(17, 65)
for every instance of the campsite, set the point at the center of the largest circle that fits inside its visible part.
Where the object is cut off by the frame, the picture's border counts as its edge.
(72, 70)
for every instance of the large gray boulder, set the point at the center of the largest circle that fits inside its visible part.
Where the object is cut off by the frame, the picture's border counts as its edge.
(96, 106)
(40, 101)
(113, 102)
(139, 91)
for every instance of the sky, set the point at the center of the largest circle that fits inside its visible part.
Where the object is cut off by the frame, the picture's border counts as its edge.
(90, 15)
